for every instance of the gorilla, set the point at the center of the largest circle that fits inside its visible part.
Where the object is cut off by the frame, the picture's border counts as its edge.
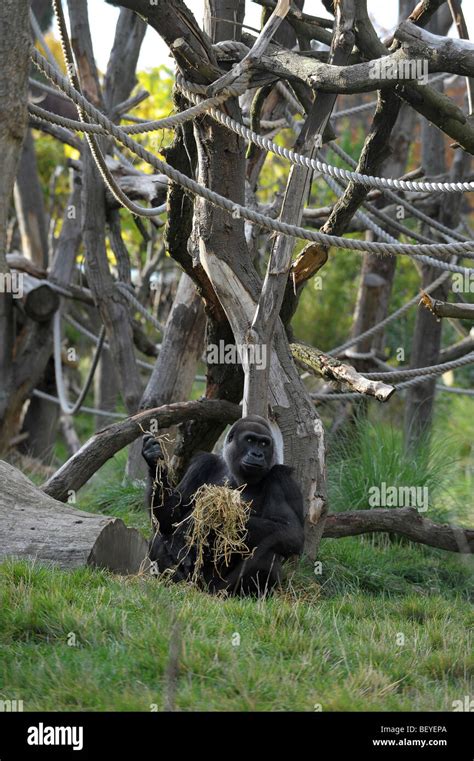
(275, 525)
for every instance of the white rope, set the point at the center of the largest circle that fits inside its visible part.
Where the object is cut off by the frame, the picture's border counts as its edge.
(400, 201)
(236, 209)
(89, 410)
(328, 397)
(381, 233)
(169, 122)
(66, 408)
(425, 371)
(191, 91)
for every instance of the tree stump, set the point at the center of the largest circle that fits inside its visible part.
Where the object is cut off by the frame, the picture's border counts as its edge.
(34, 525)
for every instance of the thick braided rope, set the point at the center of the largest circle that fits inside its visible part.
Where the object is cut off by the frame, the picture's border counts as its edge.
(416, 375)
(323, 396)
(136, 129)
(415, 300)
(334, 397)
(384, 235)
(91, 139)
(168, 122)
(96, 128)
(192, 91)
(225, 203)
(379, 214)
(425, 371)
(433, 223)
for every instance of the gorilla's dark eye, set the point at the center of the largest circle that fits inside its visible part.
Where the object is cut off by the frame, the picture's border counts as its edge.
(263, 443)
(249, 440)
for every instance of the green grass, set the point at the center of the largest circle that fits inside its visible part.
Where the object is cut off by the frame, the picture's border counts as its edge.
(373, 452)
(331, 639)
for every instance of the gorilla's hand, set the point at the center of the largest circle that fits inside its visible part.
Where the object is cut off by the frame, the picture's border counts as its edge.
(151, 451)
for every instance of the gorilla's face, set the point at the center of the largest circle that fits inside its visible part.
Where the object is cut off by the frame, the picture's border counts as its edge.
(248, 450)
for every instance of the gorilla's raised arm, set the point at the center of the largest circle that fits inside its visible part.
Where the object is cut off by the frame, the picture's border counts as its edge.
(169, 504)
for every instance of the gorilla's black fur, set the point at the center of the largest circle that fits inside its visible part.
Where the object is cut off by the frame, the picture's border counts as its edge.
(275, 526)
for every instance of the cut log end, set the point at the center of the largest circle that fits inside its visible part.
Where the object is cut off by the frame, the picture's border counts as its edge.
(38, 527)
(119, 549)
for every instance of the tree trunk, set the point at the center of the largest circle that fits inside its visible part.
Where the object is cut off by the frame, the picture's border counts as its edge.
(378, 272)
(426, 342)
(105, 389)
(173, 375)
(113, 309)
(36, 526)
(29, 205)
(41, 420)
(15, 42)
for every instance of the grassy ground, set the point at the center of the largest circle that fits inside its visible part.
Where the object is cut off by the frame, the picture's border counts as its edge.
(380, 624)
(382, 628)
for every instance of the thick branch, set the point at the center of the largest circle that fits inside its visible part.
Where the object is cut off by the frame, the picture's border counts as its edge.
(375, 150)
(441, 53)
(276, 277)
(405, 521)
(241, 70)
(322, 364)
(444, 309)
(101, 447)
(173, 21)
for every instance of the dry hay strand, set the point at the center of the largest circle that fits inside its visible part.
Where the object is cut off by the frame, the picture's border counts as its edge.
(218, 524)
(163, 464)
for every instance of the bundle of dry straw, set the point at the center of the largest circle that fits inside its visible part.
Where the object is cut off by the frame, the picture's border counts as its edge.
(218, 524)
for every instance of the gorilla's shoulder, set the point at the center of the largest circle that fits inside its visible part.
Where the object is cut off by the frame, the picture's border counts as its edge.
(205, 457)
(205, 462)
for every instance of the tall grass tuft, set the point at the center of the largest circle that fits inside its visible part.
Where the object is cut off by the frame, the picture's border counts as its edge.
(373, 452)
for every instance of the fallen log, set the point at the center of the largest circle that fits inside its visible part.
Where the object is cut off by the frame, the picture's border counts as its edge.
(35, 526)
(406, 521)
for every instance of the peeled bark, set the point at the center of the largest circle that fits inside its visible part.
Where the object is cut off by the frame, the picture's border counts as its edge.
(173, 375)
